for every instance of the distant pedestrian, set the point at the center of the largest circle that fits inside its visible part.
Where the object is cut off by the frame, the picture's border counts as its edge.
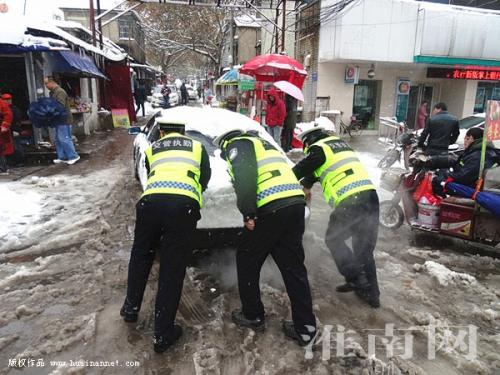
(422, 115)
(65, 148)
(140, 98)
(165, 92)
(290, 122)
(275, 115)
(184, 94)
(6, 141)
(440, 131)
(16, 130)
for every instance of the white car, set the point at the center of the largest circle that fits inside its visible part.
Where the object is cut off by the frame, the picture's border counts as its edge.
(193, 95)
(156, 99)
(475, 121)
(220, 219)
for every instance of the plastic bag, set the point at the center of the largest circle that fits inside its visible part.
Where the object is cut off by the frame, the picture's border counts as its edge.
(424, 187)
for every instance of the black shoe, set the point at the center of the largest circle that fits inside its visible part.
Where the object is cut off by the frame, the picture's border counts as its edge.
(162, 343)
(369, 297)
(291, 332)
(347, 287)
(129, 314)
(258, 324)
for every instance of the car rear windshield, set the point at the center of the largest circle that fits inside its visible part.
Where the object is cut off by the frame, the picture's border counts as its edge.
(469, 122)
(204, 139)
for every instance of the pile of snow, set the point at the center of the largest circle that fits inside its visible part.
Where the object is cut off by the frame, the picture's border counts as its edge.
(320, 121)
(444, 276)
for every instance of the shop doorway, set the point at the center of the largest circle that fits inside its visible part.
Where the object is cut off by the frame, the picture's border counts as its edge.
(366, 104)
(486, 91)
(418, 94)
(13, 81)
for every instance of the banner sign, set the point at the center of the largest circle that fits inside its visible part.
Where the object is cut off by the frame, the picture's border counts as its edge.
(120, 118)
(351, 74)
(402, 94)
(459, 73)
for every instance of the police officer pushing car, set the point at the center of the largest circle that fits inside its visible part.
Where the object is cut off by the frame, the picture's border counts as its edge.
(349, 191)
(178, 172)
(272, 203)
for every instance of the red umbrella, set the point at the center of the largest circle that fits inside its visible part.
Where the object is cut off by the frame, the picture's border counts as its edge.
(273, 67)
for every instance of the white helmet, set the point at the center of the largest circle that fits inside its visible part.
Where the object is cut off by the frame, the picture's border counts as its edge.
(219, 141)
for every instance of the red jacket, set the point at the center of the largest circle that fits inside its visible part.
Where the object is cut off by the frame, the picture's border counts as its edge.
(6, 141)
(275, 113)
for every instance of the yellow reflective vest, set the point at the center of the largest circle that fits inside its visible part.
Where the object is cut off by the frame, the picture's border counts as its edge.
(275, 178)
(342, 174)
(174, 162)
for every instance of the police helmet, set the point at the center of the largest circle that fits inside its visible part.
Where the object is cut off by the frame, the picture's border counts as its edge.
(309, 136)
(226, 136)
(171, 125)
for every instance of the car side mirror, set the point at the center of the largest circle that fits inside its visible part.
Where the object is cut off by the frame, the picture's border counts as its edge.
(134, 130)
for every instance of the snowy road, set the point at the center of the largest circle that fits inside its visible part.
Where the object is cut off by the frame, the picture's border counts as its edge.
(64, 245)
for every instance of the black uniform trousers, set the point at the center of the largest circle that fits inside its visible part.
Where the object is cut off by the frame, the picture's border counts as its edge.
(170, 221)
(280, 234)
(356, 218)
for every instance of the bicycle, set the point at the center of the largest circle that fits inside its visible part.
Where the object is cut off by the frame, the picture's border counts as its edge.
(354, 129)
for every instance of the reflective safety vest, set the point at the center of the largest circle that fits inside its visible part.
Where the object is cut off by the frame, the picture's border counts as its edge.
(342, 174)
(275, 178)
(174, 162)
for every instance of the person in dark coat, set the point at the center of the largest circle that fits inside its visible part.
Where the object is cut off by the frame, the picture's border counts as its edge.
(6, 141)
(165, 91)
(440, 131)
(140, 98)
(275, 115)
(184, 94)
(290, 122)
(466, 170)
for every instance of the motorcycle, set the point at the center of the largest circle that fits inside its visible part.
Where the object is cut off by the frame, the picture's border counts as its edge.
(456, 217)
(404, 145)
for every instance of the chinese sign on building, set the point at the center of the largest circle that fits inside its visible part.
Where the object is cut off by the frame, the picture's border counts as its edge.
(459, 73)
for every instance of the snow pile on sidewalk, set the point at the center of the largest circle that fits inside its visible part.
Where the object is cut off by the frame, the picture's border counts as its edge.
(319, 121)
(445, 277)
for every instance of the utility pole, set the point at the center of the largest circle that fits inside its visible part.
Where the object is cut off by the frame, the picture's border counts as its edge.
(92, 21)
(283, 27)
(277, 32)
(99, 23)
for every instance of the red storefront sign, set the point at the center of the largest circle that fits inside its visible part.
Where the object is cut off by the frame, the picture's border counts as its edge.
(459, 73)
(493, 121)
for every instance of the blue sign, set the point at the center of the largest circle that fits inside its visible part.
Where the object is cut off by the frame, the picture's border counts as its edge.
(314, 76)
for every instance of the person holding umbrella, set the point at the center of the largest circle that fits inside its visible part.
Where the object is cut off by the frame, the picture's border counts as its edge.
(275, 115)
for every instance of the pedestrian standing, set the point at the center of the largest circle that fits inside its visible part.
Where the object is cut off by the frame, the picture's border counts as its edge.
(6, 141)
(422, 115)
(275, 115)
(178, 172)
(440, 131)
(272, 203)
(140, 98)
(349, 191)
(65, 148)
(15, 129)
(290, 122)
(165, 92)
(184, 94)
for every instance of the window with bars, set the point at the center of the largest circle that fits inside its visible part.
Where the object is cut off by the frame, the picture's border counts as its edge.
(125, 29)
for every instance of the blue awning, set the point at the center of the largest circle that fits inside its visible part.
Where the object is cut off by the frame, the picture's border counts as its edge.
(72, 63)
(15, 49)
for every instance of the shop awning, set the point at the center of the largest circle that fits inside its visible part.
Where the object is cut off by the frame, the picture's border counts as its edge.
(72, 63)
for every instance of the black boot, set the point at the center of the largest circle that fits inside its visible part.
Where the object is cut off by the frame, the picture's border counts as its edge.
(129, 312)
(369, 297)
(258, 324)
(162, 343)
(347, 287)
(301, 338)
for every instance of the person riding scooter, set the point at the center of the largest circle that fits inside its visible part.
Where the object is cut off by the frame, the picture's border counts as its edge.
(466, 170)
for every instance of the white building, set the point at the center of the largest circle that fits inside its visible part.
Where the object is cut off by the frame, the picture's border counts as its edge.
(414, 51)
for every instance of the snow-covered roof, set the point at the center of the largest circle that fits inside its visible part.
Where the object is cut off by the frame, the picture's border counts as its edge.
(247, 21)
(16, 30)
(145, 66)
(85, 4)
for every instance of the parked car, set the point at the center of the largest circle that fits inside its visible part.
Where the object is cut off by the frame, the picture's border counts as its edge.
(193, 95)
(220, 219)
(156, 98)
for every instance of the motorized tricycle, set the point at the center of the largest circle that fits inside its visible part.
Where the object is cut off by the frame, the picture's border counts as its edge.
(457, 217)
